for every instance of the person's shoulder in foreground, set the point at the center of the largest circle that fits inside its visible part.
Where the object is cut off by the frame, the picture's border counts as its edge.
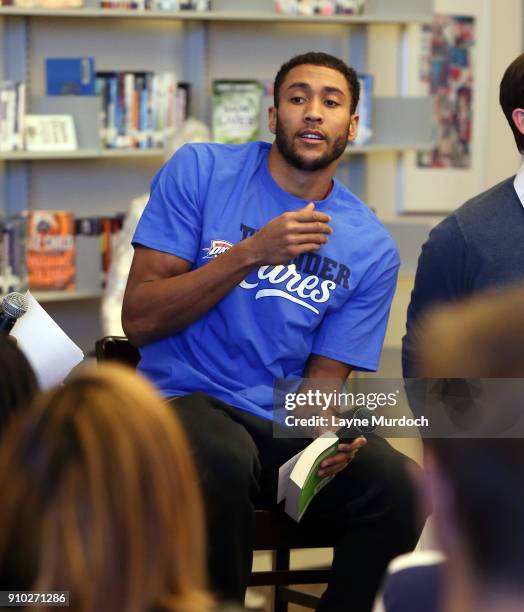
(449, 242)
(473, 248)
(413, 583)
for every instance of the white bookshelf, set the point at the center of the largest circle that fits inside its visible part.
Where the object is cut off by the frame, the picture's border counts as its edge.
(228, 42)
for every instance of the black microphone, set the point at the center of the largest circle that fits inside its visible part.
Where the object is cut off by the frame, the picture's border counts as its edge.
(13, 306)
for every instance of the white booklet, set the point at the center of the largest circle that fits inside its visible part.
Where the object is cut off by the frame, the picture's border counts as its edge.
(49, 350)
(298, 479)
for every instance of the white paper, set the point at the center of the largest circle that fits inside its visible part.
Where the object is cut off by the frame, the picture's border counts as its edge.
(47, 347)
(284, 472)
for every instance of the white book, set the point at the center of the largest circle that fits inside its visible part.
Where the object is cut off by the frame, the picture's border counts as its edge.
(129, 89)
(9, 104)
(20, 116)
(170, 83)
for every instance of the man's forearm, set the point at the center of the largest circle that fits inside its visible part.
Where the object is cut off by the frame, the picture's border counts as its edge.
(164, 304)
(159, 308)
(323, 380)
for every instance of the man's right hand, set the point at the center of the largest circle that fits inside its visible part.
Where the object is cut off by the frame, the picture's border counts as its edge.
(164, 294)
(290, 235)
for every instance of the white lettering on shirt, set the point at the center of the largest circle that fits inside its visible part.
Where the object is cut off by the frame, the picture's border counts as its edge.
(305, 288)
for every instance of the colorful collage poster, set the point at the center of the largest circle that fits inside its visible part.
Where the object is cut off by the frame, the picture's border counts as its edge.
(446, 67)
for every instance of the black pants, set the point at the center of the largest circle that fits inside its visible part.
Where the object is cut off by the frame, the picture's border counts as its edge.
(368, 507)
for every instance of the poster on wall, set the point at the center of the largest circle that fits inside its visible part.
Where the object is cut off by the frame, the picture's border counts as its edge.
(450, 61)
(446, 69)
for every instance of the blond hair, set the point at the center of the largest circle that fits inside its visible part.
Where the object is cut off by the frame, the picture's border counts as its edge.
(101, 499)
(480, 336)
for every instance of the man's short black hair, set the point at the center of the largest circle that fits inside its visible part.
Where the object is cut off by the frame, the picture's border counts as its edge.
(316, 58)
(512, 95)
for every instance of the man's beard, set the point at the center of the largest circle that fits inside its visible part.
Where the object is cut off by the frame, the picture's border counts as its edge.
(290, 153)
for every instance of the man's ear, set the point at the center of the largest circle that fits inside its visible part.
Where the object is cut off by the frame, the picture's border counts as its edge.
(272, 119)
(518, 119)
(353, 127)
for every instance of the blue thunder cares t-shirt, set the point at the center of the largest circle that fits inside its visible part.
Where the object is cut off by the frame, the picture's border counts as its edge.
(332, 302)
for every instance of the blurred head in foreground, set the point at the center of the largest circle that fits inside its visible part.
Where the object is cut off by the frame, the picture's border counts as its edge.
(100, 498)
(476, 485)
(480, 337)
(18, 383)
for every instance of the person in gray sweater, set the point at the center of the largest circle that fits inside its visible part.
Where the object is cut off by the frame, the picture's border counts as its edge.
(481, 244)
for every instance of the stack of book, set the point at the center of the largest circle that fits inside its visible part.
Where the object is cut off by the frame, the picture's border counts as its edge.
(49, 4)
(138, 109)
(38, 248)
(12, 112)
(320, 7)
(107, 229)
(157, 5)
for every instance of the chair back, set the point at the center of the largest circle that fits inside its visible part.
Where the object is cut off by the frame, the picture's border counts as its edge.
(117, 348)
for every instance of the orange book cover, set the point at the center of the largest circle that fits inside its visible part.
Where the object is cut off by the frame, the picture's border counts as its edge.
(51, 249)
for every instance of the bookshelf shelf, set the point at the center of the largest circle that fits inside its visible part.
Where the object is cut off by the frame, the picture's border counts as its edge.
(82, 154)
(238, 39)
(384, 148)
(219, 16)
(65, 296)
(116, 153)
(34, 156)
(159, 153)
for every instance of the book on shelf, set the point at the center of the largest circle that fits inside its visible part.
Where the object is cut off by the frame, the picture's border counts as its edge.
(51, 250)
(138, 109)
(320, 7)
(48, 4)
(182, 105)
(13, 269)
(12, 115)
(157, 5)
(236, 111)
(70, 76)
(365, 109)
(106, 230)
(298, 478)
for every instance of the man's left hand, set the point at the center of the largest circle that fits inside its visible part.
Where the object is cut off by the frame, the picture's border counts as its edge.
(346, 454)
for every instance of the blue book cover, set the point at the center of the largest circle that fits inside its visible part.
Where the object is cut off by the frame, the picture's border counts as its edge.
(70, 76)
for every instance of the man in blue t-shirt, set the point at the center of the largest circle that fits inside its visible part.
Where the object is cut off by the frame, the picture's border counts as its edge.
(252, 263)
